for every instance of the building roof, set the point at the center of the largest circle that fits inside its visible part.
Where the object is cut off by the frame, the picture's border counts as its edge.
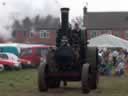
(106, 20)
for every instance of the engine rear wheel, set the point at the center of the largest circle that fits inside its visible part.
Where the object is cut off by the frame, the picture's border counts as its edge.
(85, 78)
(92, 59)
(42, 78)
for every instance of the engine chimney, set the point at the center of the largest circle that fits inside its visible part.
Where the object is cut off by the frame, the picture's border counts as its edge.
(84, 12)
(64, 18)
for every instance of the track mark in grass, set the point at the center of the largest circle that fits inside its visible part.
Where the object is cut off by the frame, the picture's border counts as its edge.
(11, 85)
(1, 81)
(98, 91)
(27, 78)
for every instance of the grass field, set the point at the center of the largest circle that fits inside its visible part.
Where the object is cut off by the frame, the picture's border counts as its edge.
(24, 83)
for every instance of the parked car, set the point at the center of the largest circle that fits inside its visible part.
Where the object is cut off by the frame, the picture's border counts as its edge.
(29, 54)
(25, 63)
(9, 61)
(10, 48)
(34, 53)
(1, 67)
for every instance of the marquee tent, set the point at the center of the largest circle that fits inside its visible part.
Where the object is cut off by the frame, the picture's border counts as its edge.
(108, 40)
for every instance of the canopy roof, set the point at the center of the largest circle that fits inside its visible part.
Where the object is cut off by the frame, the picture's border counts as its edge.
(108, 40)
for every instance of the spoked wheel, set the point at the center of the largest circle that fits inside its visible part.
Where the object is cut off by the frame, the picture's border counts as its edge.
(42, 78)
(85, 78)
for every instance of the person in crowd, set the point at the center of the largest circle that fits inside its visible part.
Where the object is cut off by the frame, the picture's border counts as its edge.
(115, 54)
(121, 57)
(126, 63)
(110, 63)
(110, 57)
(102, 64)
(106, 61)
(120, 67)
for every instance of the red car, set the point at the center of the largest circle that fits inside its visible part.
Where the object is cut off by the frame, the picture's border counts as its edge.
(9, 61)
(1, 67)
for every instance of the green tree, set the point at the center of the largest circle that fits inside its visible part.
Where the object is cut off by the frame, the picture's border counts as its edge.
(37, 22)
(27, 24)
(16, 27)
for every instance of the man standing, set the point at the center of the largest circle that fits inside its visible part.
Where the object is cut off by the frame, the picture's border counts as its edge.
(115, 54)
(76, 35)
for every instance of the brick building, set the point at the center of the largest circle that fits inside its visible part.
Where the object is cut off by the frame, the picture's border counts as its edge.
(115, 23)
(43, 36)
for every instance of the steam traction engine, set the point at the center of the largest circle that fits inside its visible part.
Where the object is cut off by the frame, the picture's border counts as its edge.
(72, 60)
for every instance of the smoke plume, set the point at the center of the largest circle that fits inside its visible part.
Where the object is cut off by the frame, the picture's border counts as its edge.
(18, 9)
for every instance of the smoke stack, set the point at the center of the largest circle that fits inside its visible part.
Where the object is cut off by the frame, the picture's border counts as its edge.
(84, 12)
(64, 18)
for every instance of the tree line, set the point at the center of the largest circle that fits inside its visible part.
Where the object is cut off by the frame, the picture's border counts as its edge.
(35, 24)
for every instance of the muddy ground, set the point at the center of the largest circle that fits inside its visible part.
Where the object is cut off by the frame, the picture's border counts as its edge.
(24, 83)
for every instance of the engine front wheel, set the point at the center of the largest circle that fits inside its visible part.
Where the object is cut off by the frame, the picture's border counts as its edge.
(85, 78)
(42, 78)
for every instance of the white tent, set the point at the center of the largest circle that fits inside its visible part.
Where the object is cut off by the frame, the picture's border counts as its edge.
(107, 40)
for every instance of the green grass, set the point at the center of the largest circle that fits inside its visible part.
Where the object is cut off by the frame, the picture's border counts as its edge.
(24, 83)
(17, 83)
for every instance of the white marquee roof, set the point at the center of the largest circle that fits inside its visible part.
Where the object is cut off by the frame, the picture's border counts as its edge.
(108, 40)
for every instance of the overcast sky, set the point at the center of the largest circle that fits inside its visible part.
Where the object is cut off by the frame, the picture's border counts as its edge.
(11, 9)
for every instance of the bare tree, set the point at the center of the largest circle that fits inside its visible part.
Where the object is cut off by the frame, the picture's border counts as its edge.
(16, 27)
(36, 23)
(78, 20)
(27, 24)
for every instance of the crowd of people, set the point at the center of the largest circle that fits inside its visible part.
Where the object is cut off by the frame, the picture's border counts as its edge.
(113, 61)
